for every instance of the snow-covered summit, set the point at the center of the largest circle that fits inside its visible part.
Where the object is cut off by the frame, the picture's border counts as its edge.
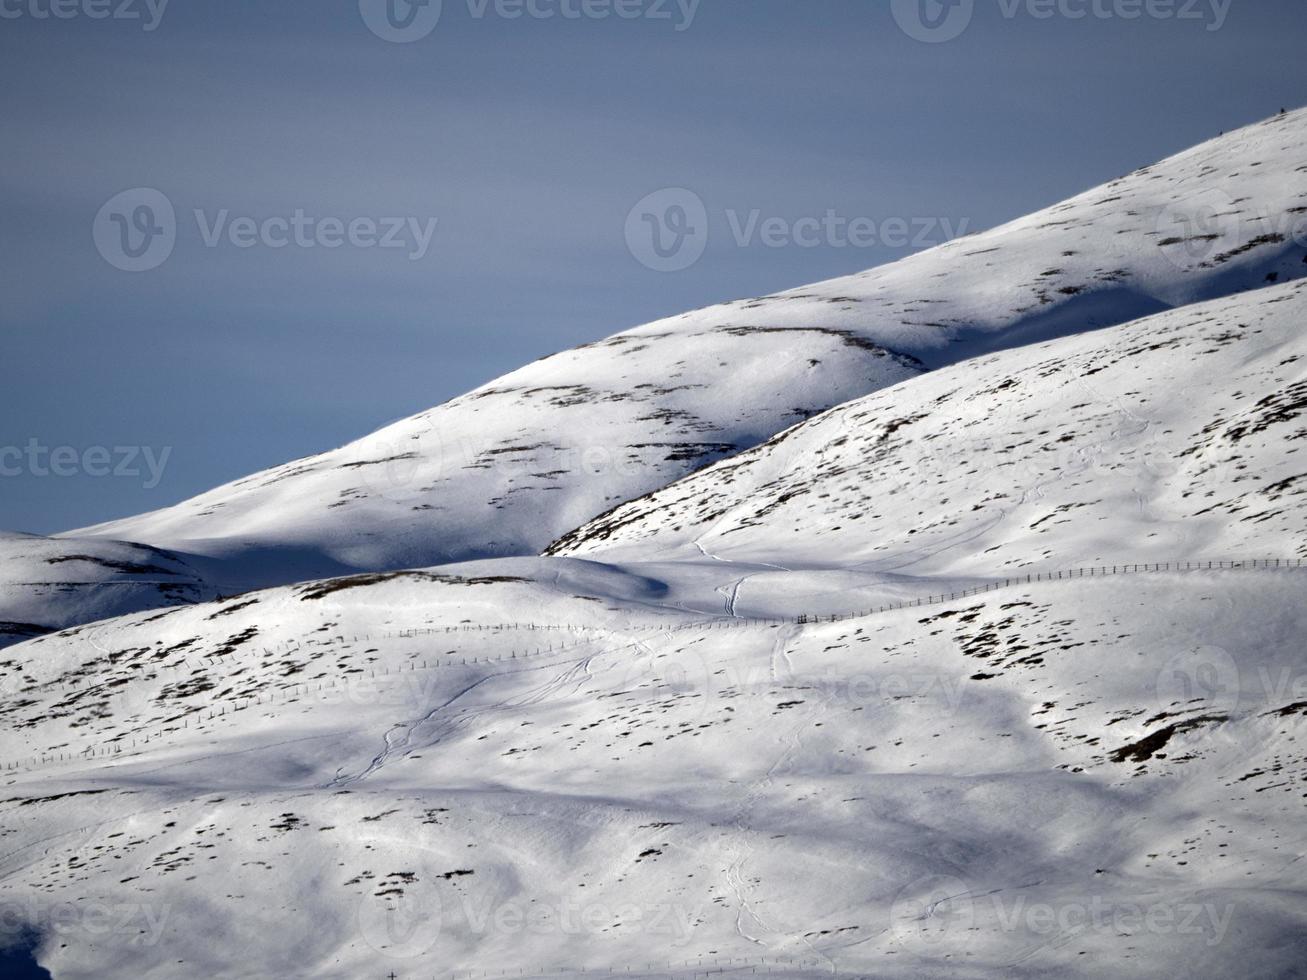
(522, 460)
(657, 752)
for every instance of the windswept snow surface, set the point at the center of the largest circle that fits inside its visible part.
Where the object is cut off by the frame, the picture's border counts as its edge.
(511, 466)
(1180, 436)
(341, 779)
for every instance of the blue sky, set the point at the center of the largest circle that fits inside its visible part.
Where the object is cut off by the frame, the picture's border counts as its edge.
(528, 139)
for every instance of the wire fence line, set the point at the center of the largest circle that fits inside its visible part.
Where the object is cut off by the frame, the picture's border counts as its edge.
(128, 743)
(1093, 571)
(1096, 571)
(125, 743)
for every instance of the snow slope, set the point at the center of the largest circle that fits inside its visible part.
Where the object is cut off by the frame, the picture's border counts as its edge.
(1179, 436)
(342, 779)
(47, 584)
(645, 757)
(511, 466)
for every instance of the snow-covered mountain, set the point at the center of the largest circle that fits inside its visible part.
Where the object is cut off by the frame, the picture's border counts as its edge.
(1179, 436)
(47, 584)
(846, 704)
(668, 764)
(515, 464)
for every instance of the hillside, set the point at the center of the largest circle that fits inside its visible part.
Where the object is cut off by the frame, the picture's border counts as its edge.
(522, 460)
(675, 761)
(945, 620)
(1179, 436)
(340, 779)
(47, 584)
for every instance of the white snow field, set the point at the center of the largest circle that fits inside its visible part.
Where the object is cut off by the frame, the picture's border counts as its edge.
(1089, 777)
(509, 467)
(1179, 436)
(994, 669)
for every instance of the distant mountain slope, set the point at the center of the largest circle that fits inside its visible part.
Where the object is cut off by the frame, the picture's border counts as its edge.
(47, 584)
(516, 463)
(1179, 436)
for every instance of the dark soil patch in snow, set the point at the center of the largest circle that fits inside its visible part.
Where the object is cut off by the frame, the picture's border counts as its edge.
(1147, 747)
(231, 609)
(126, 567)
(320, 590)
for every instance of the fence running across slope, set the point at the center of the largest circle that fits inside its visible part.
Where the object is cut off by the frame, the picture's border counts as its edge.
(132, 743)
